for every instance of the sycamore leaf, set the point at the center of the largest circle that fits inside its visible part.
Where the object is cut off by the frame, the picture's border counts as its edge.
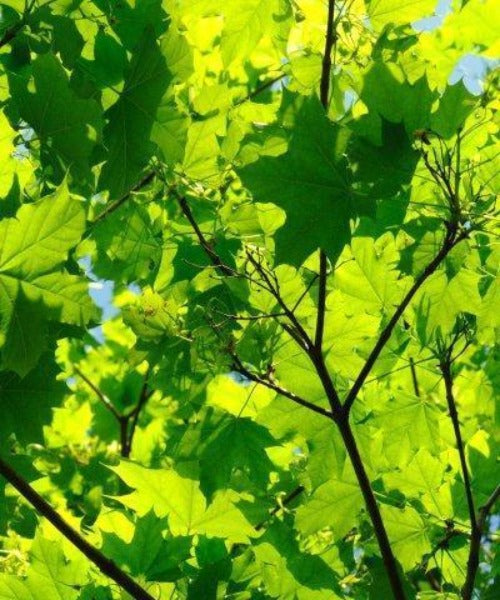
(407, 533)
(33, 396)
(334, 504)
(384, 12)
(69, 127)
(180, 498)
(130, 119)
(49, 575)
(309, 182)
(290, 573)
(33, 285)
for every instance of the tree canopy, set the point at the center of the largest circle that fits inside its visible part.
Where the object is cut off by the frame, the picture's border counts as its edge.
(249, 306)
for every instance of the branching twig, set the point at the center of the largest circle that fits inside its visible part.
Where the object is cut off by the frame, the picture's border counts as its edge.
(104, 564)
(204, 243)
(127, 422)
(239, 367)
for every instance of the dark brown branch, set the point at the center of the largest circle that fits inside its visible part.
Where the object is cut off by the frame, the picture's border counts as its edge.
(286, 500)
(450, 241)
(324, 88)
(414, 379)
(337, 415)
(478, 520)
(117, 203)
(104, 564)
(320, 321)
(240, 368)
(445, 367)
(475, 545)
(204, 243)
(390, 563)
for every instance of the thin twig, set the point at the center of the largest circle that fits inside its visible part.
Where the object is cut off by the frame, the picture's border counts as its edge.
(133, 417)
(262, 88)
(102, 397)
(240, 368)
(414, 379)
(204, 243)
(286, 500)
(117, 203)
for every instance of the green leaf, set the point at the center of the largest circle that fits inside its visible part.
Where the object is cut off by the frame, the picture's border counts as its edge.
(334, 504)
(68, 127)
(33, 396)
(407, 534)
(32, 280)
(384, 12)
(130, 119)
(180, 498)
(49, 575)
(309, 181)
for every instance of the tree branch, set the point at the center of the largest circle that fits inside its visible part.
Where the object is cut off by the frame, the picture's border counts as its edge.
(445, 367)
(240, 368)
(390, 563)
(475, 545)
(450, 241)
(102, 397)
(320, 321)
(330, 37)
(204, 243)
(104, 564)
(117, 203)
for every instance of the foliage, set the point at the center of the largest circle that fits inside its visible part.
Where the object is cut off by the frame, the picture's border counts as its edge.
(290, 393)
